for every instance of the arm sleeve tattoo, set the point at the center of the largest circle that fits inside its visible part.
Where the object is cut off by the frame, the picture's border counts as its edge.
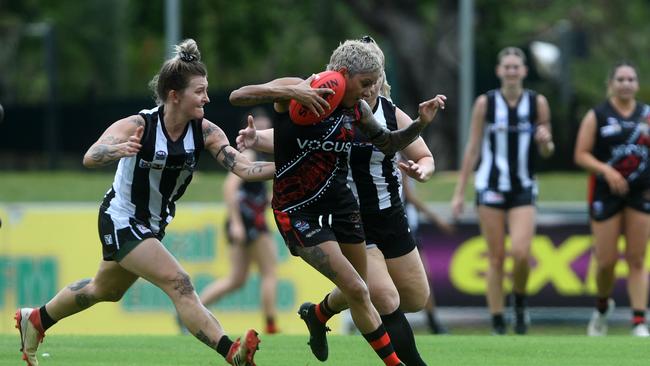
(106, 152)
(228, 160)
(209, 130)
(390, 142)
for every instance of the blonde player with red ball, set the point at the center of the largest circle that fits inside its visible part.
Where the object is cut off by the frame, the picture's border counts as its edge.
(315, 209)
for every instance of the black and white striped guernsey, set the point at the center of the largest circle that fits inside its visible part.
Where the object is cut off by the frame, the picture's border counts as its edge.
(374, 177)
(507, 149)
(147, 185)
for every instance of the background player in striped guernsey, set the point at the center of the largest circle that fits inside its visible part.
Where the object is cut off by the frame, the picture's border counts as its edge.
(506, 125)
(613, 144)
(157, 150)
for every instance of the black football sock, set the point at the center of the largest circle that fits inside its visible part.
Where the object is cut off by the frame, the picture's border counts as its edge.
(602, 304)
(46, 319)
(638, 317)
(380, 341)
(223, 347)
(401, 336)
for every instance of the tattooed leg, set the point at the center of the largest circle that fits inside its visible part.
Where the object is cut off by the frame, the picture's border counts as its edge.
(318, 259)
(328, 259)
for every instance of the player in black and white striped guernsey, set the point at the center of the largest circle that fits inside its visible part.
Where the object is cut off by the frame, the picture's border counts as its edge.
(157, 151)
(507, 124)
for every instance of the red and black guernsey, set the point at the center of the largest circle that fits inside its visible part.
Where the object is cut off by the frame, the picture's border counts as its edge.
(311, 163)
(624, 142)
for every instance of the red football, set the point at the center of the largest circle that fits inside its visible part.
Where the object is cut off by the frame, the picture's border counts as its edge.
(334, 80)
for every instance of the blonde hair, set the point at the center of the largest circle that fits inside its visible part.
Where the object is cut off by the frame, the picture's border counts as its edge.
(176, 72)
(357, 57)
(385, 87)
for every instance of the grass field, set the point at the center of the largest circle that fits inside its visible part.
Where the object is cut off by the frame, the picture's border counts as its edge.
(71, 350)
(90, 186)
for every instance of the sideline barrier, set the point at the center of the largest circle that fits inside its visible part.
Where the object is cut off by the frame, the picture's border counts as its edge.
(44, 247)
(562, 270)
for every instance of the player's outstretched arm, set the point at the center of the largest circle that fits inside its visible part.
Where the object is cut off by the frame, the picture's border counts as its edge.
(389, 142)
(230, 158)
(119, 140)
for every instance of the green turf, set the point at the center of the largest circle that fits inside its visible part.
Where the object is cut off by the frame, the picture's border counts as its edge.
(286, 350)
(90, 186)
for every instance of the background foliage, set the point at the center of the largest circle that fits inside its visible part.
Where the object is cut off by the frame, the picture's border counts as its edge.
(110, 49)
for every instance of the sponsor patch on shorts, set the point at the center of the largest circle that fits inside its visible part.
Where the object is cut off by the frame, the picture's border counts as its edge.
(492, 197)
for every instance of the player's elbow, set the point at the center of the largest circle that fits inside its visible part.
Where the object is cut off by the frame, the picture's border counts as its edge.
(237, 97)
(87, 162)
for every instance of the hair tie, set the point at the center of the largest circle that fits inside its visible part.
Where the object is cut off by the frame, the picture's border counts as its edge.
(367, 39)
(187, 57)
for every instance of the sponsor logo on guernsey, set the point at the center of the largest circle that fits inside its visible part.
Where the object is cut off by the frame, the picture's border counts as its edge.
(301, 225)
(336, 146)
(610, 130)
(159, 162)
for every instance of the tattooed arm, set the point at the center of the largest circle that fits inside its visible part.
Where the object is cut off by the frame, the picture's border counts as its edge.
(389, 142)
(281, 91)
(217, 143)
(121, 139)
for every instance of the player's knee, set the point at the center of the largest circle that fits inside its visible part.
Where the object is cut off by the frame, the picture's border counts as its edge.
(415, 300)
(635, 262)
(496, 262)
(180, 285)
(607, 264)
(237, 283)
(386, 300)
(356, 291)
(519, 255)
(113, 295)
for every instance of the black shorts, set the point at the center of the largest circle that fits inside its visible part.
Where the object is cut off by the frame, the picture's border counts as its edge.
(603, 204)
(506, 200)
(306, 229)
(120, 236)
(253, 227)
(389, 231)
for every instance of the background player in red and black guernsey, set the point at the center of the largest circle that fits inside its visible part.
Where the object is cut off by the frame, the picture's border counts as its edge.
(614, 145)
(157, 151)
(264, 141)
(321, 223)
(249, 238)
(507, 124)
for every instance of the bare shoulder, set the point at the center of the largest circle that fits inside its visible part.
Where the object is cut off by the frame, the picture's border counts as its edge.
(541, 100)
(481, 101)
(133, 121)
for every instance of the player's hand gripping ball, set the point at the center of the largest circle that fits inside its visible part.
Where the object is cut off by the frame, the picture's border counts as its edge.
(334, 80)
